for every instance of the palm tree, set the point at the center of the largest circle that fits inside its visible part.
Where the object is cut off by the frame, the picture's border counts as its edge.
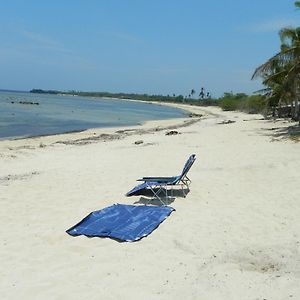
(285, 65)
(202, 94)
(278, 90)
(193, 92)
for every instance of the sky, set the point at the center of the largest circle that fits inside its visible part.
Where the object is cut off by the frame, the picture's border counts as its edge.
(140, 46)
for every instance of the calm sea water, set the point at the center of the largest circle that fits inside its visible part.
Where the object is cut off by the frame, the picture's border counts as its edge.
(58, 114)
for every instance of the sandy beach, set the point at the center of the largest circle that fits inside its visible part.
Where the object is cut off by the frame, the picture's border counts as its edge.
(235, 236)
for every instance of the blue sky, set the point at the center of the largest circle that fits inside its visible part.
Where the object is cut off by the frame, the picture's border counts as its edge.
(142, 46)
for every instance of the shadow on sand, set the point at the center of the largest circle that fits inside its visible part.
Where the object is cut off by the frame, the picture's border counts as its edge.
(289, 132)
(173, 194)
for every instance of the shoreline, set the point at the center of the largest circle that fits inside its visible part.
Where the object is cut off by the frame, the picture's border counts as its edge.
(200, 114)
(137, 123)
(64, 135)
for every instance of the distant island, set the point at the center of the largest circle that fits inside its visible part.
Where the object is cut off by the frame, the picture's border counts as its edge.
(131, 96)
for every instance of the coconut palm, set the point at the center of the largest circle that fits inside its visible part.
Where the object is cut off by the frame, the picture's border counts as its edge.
(285, 65)
(278, 90)
(193, 92)
(202, 93)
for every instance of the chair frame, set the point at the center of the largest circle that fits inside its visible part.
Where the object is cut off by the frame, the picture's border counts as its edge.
(159, 184)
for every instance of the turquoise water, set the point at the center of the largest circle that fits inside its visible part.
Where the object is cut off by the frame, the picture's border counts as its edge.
(58, 114)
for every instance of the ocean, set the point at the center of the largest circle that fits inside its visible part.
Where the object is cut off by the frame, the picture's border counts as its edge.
(53, 114)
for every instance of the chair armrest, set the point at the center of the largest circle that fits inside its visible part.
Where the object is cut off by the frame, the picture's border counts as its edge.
(157, 179)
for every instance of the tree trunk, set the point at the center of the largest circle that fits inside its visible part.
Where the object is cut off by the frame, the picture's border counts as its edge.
(297, 110)
(279, 110)
(295, 114)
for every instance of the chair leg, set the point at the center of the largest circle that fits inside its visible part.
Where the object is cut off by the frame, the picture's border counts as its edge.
(156, 194)
(184, 194)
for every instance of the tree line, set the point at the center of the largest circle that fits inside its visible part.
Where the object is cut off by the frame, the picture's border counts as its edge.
(229, 101)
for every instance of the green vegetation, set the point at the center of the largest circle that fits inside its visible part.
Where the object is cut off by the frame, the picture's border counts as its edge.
(281, 72)
(132, 96)
(255, 104)
(249, 104)
(232, 102)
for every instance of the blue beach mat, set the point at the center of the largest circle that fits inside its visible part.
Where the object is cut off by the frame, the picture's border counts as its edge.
(122, 222)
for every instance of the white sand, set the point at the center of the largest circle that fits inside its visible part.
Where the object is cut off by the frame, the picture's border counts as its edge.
(235, 236)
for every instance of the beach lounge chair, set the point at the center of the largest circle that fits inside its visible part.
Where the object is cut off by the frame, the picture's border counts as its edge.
(159, 185)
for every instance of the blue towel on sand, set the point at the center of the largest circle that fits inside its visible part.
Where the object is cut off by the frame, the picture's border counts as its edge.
(122, 222)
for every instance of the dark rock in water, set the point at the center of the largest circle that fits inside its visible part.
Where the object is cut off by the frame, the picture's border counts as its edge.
(194, 115)
(138, 142)
(29, 102)
(172, 132)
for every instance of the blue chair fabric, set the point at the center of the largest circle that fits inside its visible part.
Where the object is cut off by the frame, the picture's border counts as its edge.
(152, 183)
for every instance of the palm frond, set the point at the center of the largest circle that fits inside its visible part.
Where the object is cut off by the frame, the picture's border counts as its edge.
(287, 35)
(278, 60)
(263, 91)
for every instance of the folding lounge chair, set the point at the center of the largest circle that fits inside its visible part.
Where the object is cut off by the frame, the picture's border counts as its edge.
(158, 185)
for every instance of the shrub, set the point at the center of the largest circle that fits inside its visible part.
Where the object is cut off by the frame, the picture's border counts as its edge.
(250, 104)
(229, 104)
(255, 104)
